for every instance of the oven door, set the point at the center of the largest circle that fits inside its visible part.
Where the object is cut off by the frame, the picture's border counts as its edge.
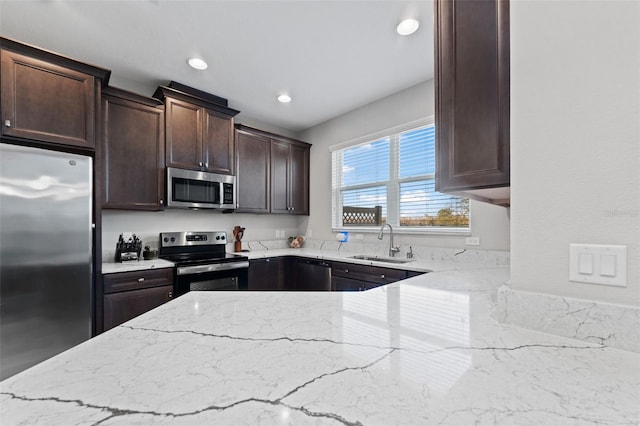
(232, 276)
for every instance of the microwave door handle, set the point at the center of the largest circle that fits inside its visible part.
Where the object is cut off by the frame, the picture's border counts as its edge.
(221, 193)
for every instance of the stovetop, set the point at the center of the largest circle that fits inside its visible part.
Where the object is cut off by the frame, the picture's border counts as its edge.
(202, 258)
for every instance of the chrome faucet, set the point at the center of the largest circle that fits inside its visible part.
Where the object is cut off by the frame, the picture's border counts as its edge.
(392, 250)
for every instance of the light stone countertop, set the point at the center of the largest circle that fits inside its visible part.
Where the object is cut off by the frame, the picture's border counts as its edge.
(129, 266)
(422, 351)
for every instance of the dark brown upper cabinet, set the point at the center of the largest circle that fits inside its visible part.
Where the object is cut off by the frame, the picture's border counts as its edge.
(472, 98)
(290, 177)
(47, 97)
(198, 129)
(277, 172)
(132, 151)
(252, 172)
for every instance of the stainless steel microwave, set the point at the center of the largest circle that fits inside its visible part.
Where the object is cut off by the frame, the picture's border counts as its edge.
(200, 190)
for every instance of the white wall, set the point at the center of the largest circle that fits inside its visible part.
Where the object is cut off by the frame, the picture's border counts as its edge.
(147, 225)
(490, 223)
(575, 141)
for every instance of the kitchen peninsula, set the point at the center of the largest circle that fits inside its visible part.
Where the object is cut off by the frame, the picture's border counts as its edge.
(422, 351)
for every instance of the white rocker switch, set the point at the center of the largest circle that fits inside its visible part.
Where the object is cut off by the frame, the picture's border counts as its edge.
(608, 265)
(585, 265)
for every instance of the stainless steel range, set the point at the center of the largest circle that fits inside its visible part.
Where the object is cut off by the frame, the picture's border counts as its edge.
(202, 263)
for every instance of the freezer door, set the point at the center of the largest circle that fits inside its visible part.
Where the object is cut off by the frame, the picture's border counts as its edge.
(45, 254)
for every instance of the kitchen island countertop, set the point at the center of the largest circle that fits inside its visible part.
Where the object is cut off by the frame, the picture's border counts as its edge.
(423, 351)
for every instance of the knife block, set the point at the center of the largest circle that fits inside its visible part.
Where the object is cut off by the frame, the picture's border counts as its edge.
(237, 246)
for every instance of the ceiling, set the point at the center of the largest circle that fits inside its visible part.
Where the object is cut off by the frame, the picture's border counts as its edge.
(329, 56)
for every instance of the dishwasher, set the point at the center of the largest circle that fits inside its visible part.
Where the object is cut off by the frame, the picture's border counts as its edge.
(314, 275)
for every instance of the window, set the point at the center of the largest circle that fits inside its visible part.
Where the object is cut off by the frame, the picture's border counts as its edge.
(391, 179)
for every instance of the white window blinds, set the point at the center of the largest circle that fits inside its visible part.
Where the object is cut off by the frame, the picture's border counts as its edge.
(391, 180)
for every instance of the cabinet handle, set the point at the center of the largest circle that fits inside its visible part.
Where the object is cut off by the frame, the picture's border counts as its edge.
(267, 260)
(382, 276)
(170, 295)
(200, 164)
(161, 201)
(346, 271)
(7, 123)
(206, 165)
(140, 280)
(293, 208)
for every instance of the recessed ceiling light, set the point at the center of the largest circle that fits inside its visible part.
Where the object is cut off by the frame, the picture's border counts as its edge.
(408, 26)
(284, 99)
(198, 64)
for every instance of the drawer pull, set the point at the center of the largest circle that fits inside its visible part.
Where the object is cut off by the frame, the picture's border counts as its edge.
(346, 271)
(170, 295)
(140, 280)
(382, 276)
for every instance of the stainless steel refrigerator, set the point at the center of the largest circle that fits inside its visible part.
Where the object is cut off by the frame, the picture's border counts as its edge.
(45, 254)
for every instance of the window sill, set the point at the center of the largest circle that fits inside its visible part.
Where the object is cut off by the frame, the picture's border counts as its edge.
(460, 232)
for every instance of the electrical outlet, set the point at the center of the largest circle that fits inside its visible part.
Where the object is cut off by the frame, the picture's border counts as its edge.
(277, 233)
(472, 241)
(359, 236)
(309, 233)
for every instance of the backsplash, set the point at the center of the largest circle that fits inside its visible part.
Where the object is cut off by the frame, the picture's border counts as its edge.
(597, 322)
(148, 225)
(469, 256)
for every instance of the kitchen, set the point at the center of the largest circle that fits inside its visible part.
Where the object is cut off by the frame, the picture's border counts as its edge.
(552, 82)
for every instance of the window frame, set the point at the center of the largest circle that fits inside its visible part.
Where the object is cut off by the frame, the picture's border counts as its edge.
(392, 184)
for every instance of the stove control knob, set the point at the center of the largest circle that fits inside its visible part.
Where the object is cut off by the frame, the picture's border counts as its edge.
(166, 240)
(222, 237)
(173, 239)
(218, 237)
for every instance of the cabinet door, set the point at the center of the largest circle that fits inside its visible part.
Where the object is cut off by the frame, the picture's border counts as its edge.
(345, 284)
(472, 94)
(279, 177)
(299, 180)
(123, 306)
(133, 144)
(252, 168)
(46, 102)
(184, 135)
(266, 274)
(217, 142)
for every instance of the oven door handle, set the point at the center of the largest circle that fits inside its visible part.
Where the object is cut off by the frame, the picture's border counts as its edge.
(216, 267)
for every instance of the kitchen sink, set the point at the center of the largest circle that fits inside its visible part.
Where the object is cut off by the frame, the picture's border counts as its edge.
(380, 259)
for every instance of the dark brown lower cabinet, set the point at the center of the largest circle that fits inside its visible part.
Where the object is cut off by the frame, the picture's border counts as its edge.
(129, 294)
(355, 277)
(339, 283)
(266, 274)
(281, 274)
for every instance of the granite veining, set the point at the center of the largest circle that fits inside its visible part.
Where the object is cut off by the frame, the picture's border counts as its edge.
(423, 351)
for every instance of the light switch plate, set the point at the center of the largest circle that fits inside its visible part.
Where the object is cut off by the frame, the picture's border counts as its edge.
(598, 264)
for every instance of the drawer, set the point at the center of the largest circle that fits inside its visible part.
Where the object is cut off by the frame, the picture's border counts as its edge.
(373, 274)
(137, 280)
